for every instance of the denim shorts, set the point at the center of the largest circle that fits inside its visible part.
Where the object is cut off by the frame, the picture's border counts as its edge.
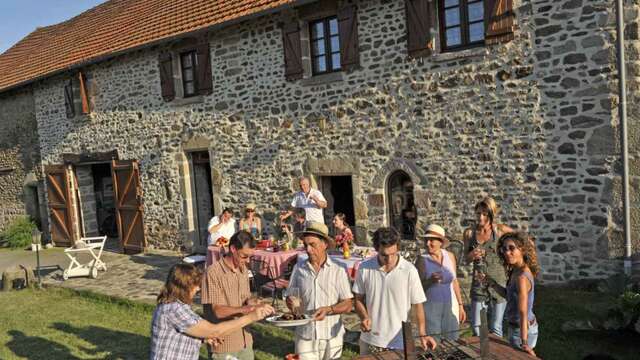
(513, 335)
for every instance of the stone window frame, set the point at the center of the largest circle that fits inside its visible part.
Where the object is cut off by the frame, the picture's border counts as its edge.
(185, 46)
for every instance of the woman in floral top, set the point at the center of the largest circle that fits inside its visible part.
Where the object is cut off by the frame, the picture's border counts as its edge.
(343, 232)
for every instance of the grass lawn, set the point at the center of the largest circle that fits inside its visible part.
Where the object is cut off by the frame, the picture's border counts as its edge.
(63, 324)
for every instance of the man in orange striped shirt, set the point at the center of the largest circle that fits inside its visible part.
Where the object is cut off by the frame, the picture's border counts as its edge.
(226, 295)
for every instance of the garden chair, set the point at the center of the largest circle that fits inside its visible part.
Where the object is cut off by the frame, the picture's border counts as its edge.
(86, 245)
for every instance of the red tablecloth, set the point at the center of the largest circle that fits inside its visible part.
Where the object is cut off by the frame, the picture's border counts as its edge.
(350, 265)
(273, 264)
(213, 254)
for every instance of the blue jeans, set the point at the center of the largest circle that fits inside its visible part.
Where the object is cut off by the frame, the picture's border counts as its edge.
(495, 315)
(515, 340)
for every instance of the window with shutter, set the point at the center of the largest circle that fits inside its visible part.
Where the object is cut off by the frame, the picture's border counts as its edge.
(203, 67)
(419, 15)
(293, 69)
(167, 88)
(325, 46)
(68, 99)
(348, 29)
(189, 65)
(500, 21)
(462, 24)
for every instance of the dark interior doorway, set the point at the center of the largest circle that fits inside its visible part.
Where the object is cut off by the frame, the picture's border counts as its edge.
(338, 191)
(202, 194)
(105, 200)
(400, 202)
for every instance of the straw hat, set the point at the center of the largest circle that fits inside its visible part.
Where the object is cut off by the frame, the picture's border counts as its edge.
(250, 206)
(318, 229)
(436, 232)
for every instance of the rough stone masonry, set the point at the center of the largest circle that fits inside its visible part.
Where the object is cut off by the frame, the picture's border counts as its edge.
(532, 122)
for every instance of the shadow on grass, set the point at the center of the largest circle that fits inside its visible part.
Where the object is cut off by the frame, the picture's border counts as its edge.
(160, 265)
(109, 344)
(23, 346)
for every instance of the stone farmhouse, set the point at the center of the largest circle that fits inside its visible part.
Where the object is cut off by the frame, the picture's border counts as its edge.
(140, 119)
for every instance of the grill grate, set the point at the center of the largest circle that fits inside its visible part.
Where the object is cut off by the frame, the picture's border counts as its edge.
(449, 350)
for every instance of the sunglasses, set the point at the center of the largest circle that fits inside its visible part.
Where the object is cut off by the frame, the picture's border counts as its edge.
(511, 248)
(250, 210)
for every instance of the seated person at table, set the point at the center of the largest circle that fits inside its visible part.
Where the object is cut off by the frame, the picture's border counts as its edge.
(387, 288)
(226, 295)
(251, 221)
(324, 290)
(177, 331)
(221, 226)
(343, 232)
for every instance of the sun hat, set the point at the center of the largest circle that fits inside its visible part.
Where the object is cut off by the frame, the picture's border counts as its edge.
(434, 231)
(250, 206)
(318, 229)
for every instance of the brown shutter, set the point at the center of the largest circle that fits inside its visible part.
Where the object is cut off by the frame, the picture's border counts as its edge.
(166, 76)
(348, 29)
(419, 13)
(292, 51)
(203, 68)
(59, 202)
(128, 193)
(68, 100)
(84, 95)
(499, 21)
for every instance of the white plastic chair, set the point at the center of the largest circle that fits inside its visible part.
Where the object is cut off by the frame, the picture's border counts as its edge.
(91, 245)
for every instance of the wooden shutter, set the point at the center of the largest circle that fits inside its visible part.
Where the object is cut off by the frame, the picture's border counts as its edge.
(59, 202)
(348, 29)
(128, 193)
(84, 95)
(166, 76)
(68, 100)
(499, 21)
(419, 19)
(292, 51)
(203, 67)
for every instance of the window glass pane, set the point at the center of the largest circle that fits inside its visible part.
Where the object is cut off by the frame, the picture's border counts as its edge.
(453, 37)
(318, 47)
(448, 3)
(476, 32)
(452, 17)
(320, 64)
(317, 30)
(187, 74)
(335, 61)
(189, 88)
(333, 26)
(335, 43)
(476, 11)
(186, 60)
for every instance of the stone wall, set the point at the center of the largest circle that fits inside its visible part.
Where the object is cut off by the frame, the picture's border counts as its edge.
(530, 122)
(19, 158)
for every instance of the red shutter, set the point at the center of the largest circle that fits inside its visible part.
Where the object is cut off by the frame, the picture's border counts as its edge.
(203, 68)
(499, 21)
(84, 96)
(348, 30)
(419, 13)
(292, 51)
(166, 76)
(68, 100)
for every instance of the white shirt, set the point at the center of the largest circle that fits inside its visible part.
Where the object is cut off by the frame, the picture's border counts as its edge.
(312, 211)
(227, 230)
(325, 288)
(388, 297)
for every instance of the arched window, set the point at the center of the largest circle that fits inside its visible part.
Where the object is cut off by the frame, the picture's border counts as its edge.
(401, 207)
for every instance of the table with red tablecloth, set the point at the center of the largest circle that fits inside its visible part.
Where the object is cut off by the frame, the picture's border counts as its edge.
(272, 264)
(350, 265)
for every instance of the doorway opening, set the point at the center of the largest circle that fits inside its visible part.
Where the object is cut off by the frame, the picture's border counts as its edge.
(401, 206)
(200, 168)
(338, 190)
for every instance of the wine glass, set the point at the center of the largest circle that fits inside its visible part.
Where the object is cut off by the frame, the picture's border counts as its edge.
(296, 301)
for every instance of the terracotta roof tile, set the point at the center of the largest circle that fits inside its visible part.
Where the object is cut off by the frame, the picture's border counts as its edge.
(115, 26)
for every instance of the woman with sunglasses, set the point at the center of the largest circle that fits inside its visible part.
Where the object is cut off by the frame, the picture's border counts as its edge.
(176, 331)
(250, 222)
(518, 254)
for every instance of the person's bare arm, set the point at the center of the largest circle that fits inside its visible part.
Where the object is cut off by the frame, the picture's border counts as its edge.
(343, 306)
(223, 312)
(426, 341)
(458, 294)
(363, 314)
(524, 286)
(203, 329)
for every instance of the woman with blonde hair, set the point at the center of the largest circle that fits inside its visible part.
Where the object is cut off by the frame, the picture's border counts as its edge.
(250, 222)
(518, 255)
(481, 244)
(177, 331)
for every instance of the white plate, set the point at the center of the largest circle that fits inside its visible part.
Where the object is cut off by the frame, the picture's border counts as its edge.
(288, 323)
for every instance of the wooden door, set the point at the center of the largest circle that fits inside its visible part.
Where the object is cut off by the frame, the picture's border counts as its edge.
(59, 202)
(128, 193)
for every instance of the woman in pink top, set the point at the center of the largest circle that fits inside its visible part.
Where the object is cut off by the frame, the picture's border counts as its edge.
(343, 233)
(444, 308)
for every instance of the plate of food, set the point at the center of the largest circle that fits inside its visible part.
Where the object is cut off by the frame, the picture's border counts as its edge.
(289, 319)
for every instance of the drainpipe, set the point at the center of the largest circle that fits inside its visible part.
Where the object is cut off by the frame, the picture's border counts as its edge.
(622, 113)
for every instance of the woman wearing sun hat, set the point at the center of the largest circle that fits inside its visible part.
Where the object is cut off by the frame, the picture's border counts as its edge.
(437, 267)
(250, 222)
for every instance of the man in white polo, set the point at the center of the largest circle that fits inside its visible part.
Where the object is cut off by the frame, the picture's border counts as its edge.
(387, 288)
(311, 200)
(324, 289)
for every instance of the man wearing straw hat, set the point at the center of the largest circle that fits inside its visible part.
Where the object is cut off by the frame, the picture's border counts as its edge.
(323, 289)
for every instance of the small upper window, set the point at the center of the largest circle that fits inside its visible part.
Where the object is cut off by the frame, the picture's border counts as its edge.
(461, 23)
(188, 63)
(325, 45)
